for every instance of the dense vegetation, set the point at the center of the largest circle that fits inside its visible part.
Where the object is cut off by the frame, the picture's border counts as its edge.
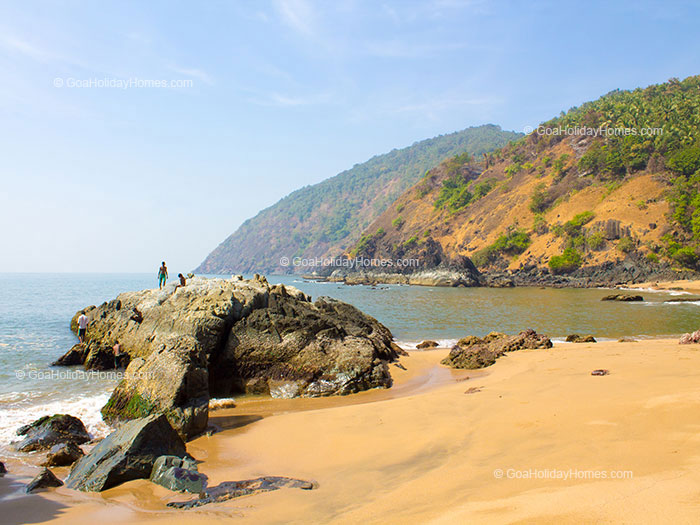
(510, 243)
(328, 217)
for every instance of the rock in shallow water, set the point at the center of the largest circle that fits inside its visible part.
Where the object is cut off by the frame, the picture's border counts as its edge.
(47, 431)
(623, 297)
(46, 479)
(63, 454)
(218, 337)
(475, 352)
(426, 344)
(575, 338)
(127, 453)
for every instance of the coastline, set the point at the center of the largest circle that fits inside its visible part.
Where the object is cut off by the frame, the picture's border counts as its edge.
(429, 453)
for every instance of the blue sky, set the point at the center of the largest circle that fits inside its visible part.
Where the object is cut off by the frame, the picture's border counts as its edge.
(283, 94)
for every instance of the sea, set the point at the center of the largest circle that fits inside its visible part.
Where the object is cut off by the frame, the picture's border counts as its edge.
(35, 312)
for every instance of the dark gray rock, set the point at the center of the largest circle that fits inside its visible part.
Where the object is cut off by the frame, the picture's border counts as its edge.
(48, 431)
(127, 453)
(63, 454)
(235, 489)
(3, 470)
(46, 479)
(178, 474)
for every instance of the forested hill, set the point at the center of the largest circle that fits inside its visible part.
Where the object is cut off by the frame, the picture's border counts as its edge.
(566, 197)
(326, 218)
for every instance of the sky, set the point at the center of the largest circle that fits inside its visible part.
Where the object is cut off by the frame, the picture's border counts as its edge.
(136, 132)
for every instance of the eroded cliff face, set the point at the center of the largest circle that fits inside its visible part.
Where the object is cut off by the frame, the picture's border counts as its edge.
(218, 337)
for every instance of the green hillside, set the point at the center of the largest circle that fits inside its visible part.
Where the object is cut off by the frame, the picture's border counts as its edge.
(326, 218)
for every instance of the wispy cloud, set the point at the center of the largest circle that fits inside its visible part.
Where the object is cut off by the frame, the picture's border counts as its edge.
(289, 101)
(298, 15)
(198, 74)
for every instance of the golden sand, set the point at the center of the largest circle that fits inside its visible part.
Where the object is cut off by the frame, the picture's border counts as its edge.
(426, 451)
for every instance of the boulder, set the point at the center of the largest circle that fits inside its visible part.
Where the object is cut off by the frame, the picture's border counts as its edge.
(63, 454)
(75, 356)
(623, 297)
(3, 470)
(687, 339)
(46, 479)
(575, 338)
(426, 344)
(127, 453)
(48, 431)
(220, 337)
(475, 352)
(178, 474)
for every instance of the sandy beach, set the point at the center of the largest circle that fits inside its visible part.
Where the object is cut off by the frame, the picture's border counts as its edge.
(688, 286)
(534, 438)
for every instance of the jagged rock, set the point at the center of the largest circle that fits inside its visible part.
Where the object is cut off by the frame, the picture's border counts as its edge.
(427, 344)
(63, 454)
(178, 474)
(622, 297)
(48, 431)
(474, 352)
(687, 339)
(235, 489)
(127, 453)
(575, 338)
(75, 356)
(46, 479)
(216, 337)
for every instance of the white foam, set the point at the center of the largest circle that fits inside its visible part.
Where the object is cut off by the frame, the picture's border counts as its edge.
(412, 345)
(87, 409)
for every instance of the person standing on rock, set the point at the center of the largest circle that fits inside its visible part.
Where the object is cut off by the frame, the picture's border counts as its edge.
(82, 327)
(162, 275)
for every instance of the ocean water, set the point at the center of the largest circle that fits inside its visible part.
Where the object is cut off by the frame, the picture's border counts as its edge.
(35, 311)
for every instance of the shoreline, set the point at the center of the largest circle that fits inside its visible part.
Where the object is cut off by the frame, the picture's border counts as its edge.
(429, 453)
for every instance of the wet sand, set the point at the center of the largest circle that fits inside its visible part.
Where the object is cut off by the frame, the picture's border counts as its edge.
(440, 448)
(692, 287)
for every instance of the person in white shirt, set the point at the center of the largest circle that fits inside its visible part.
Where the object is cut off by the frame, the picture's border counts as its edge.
(82, 327)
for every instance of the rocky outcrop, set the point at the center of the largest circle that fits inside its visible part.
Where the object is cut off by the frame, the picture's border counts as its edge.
(44, 480)
(218, 337)
(127, 453)
(235, 489)
(687, 339)
(63, 454)
(575, 338)
(48, 431)
(475, 352)
(623, 297)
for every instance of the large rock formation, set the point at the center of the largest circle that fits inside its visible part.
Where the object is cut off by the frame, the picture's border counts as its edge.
(475, 352)
(127, 453)
(217, 337)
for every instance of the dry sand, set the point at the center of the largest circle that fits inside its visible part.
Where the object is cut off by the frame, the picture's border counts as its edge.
(429, 452)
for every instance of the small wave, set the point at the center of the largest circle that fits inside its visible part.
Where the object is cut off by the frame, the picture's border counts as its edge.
(412, 345)
(87, 409)
(655, 290)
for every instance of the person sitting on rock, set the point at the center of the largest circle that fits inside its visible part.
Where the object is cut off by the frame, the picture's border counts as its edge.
(162, 275)
(183, 281)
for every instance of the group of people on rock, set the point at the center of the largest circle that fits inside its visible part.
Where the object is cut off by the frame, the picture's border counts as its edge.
(163, 277)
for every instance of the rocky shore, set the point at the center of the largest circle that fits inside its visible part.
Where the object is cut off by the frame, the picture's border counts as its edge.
(633, 269)
(220, 337)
